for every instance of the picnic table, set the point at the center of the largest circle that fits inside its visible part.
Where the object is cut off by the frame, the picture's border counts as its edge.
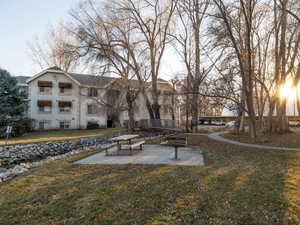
(125, 138)
(122, 138)
(175, 142)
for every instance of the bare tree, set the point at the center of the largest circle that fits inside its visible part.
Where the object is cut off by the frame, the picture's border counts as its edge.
(153, 20)
(55, 50)
(106, 36)
(191, 14)
(242, 46)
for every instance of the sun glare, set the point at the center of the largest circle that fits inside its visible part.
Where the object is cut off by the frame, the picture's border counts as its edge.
(287, 90)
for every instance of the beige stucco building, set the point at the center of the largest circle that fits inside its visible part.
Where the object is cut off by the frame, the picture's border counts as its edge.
(60, 100)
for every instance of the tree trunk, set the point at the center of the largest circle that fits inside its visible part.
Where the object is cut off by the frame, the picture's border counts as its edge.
(187, 113)
(130, 112)
(194, 110)
(148, 105)
(282, 119)
(196, 81)
(242, 123)
(281, 106)
(270, 116)
(298, 101)
(249, 72)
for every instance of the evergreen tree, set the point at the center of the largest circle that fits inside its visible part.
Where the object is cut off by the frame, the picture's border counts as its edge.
(12, 104)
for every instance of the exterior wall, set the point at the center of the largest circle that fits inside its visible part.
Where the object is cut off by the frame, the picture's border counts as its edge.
(55, 116)
(141, 112)
(79, 116)
(84, 117)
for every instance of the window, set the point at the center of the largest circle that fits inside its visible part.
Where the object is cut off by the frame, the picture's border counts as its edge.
(66, 124)
(92, 92)
(65, 107)
(44, 106)
(65, 88)
(44, 124)
(92, 109)
(45, 87)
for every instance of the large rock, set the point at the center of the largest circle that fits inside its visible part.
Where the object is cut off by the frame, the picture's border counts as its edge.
(16, 154)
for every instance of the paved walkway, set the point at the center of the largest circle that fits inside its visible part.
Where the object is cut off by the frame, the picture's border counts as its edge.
(216, 136)
(151, 154)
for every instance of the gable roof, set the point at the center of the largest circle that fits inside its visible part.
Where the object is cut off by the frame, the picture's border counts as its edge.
(91, 80)
(88, 80)
(52, 70)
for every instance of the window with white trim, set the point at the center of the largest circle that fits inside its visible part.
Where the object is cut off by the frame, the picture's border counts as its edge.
(92, 109)
(64, 107)
(44, 124)
(65, 124)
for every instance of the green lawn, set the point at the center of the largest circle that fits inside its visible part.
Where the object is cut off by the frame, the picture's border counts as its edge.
(57, 135)
(238, 185)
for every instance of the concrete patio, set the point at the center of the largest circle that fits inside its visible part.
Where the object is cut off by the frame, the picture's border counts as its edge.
(151, 154)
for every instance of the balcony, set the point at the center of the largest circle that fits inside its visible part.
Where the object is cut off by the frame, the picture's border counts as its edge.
(45, 87)
(44, 107)
(65, 89)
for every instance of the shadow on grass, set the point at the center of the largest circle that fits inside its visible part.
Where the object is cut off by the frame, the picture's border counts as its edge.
(237, 186)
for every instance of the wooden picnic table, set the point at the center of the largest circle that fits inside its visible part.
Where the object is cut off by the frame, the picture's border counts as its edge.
(126, 137)
(123, 151)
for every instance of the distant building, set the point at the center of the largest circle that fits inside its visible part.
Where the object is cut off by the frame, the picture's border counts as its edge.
(60, 100)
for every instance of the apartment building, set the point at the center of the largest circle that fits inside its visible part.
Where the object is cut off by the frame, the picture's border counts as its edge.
(60, 100)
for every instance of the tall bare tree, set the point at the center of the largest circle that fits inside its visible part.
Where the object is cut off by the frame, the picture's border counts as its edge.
(106, 36)
(153, 22)
(242, 46)
(55, 50)
(191, 14)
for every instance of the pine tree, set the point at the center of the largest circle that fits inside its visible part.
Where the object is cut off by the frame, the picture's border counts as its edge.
(12, 104)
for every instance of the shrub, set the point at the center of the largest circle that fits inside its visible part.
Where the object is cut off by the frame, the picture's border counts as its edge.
(18, 129)
(29, 124)
(92, 126)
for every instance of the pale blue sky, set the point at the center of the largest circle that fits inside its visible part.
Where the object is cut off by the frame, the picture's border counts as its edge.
(20, 22)
(23, 20)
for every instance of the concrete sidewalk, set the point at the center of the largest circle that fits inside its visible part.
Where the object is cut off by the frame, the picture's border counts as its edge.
(151, 154)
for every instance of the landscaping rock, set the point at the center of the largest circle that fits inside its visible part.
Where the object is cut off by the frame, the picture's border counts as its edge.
(17, 159)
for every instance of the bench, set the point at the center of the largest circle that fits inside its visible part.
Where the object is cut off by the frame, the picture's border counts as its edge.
(175, 142)
(123, 152)
(140, 143)
(109, 147)
(175, 139)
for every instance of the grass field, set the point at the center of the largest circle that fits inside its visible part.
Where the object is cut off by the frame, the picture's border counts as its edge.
(237, 186)
(291, 139)
(59, 135)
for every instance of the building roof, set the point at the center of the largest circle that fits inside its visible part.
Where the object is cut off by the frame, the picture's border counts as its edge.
(91, 80)
(55, 68)
(86, 79)
(22, 80)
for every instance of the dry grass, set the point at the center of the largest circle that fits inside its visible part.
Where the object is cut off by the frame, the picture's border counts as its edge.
(291, 139)
(59, 135)
(210, 129)
(237, 186)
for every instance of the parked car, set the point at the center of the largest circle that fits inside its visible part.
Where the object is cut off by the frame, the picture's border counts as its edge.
(294, 123)
(231, 124)
(218, 123)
